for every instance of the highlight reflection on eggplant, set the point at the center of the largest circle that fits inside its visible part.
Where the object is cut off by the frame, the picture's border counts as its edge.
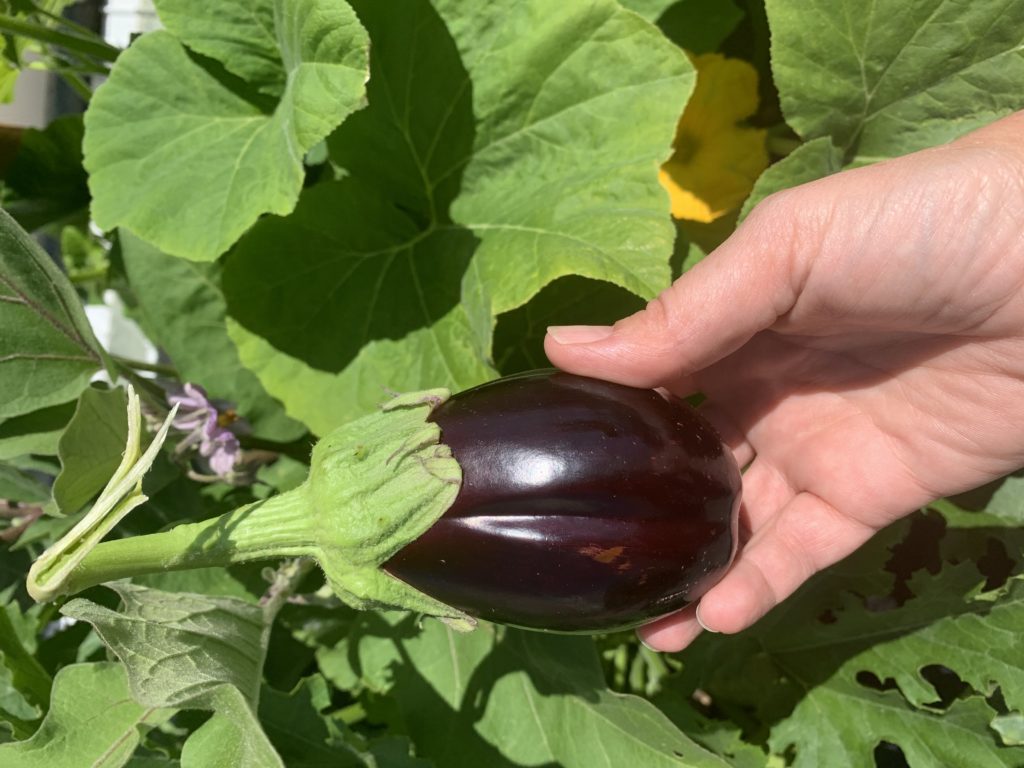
(585, 505)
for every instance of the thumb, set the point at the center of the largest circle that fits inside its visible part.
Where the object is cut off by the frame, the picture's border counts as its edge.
(742, 288)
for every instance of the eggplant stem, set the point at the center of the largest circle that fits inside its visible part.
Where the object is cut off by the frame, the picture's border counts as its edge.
(276, 527)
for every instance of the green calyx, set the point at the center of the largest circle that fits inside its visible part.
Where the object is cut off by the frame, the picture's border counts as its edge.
(375, 485)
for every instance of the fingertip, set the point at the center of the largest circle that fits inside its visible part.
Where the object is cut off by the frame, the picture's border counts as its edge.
(736, 602)
(671, 633)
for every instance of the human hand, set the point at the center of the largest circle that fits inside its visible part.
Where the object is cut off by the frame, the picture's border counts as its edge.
(860, 342)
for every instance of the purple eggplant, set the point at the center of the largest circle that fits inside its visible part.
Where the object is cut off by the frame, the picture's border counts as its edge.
(544, 500)
(585, 506)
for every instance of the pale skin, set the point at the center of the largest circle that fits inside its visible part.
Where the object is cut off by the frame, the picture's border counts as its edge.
(860, 342)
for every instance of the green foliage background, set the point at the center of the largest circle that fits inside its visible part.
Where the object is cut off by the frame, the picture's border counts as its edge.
(310, 203)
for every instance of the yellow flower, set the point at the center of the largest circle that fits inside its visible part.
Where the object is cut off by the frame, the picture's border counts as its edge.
(716, 160)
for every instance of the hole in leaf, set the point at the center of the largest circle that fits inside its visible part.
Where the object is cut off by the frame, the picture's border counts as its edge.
(827, 616)
(997, 701)
(920, 549)
(871, 680)
(888, 755)
(995, 564)
(946, 683)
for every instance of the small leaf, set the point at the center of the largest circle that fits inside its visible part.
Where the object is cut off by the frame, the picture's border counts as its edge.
(46, 182)
(814, 160)
(92, 721)
(301, 735)
(90, 448)
(53, 573)
(24, 684)
(1010, 728)
(231, 738)
(19, 485)
(47, 349)
(37, 432)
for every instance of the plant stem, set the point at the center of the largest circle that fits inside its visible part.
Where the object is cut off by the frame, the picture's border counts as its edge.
(86, 276)
(80, 87)
(141, 365)
(286, 580)
(97, 48)
(277, 527)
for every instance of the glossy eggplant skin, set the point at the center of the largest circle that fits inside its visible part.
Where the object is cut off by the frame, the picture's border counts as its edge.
(586, 506)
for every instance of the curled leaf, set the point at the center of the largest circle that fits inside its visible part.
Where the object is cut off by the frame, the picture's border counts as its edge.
(122, 494)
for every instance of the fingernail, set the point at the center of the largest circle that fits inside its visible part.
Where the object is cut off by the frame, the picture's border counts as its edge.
(647, 645)
(579, 334)
(701, 622)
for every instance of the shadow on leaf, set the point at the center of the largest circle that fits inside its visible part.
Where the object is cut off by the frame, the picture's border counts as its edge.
(373, 255)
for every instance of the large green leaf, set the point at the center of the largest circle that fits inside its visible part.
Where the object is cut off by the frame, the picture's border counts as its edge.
(183, 312)
(984, 634)
(891, 76)
(232, 155)
(47, 349)
(92, 721)
(367, 350)
(505, 145)
(503, 697)
(850, 718)
(192, 651)
(832, 675)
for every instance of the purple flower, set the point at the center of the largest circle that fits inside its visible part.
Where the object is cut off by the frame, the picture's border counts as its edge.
(205, 424)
